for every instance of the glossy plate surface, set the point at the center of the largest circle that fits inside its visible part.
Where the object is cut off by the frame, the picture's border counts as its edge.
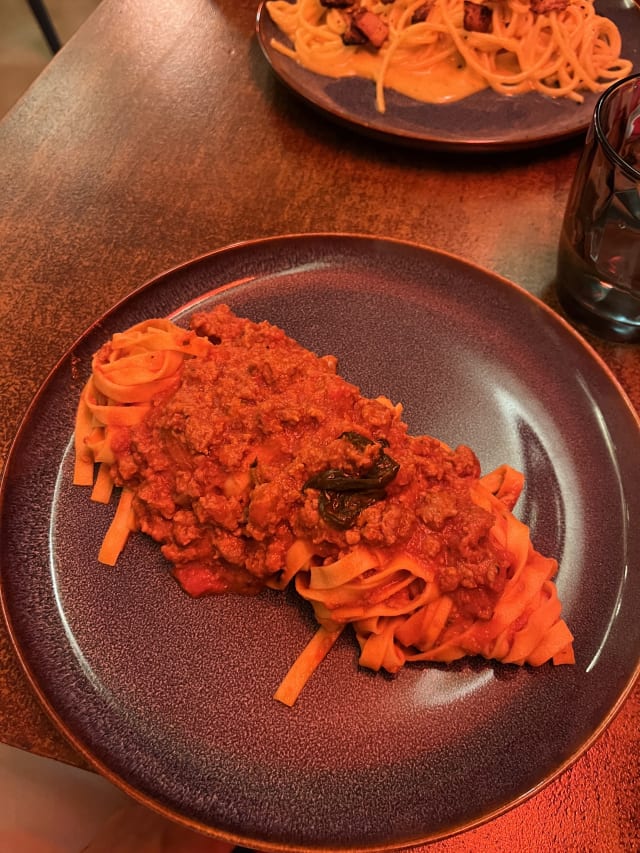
(484, 122)
(171, 697)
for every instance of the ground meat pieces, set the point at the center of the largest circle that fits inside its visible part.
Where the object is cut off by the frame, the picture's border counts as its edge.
(421, 13)
(385, 523)
(372, 25)
(465, 462)
(472, 526)
(477, 18)
(474, 604)
(225, 470)
(219, 510)
(352, 35)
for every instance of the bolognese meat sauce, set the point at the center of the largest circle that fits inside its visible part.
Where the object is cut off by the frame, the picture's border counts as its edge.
(263, 444)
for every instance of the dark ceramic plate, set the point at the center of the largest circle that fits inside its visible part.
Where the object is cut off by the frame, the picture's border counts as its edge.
(171, 697)
(484, 122)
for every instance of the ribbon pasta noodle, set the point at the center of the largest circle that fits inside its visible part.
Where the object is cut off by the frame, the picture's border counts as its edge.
(254, 464)
(400, 615)
(444, 50)
(126, 374)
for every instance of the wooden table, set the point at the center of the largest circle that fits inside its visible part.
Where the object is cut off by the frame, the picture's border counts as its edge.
(159, 133)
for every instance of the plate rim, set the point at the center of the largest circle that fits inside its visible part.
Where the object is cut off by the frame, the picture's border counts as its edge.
(41, 693)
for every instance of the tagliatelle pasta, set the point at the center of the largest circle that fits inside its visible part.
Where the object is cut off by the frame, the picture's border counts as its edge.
(255, 465)
(127, 374)
(362, 589)
(443, 50)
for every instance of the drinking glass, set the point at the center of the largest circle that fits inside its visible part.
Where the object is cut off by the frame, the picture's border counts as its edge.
(598, 276)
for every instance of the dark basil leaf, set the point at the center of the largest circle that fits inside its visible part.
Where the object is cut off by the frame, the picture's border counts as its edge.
(386, 469)
(357, 439)
(335, 480)
(332, 478)
(361, 441)
(341, 509)
(344, 495)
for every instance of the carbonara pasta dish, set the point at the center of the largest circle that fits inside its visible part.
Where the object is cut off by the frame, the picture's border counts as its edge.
(254, 465)
(444, 50)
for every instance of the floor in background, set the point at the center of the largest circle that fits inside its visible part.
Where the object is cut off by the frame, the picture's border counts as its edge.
(49, 807)
(23, 50)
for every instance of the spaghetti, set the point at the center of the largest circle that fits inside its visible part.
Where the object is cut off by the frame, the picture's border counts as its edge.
(445, 50)
(254, 464)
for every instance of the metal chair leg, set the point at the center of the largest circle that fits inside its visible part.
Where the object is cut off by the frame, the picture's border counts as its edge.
(45, 23)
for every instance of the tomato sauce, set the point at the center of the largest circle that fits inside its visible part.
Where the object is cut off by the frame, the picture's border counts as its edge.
(263, 444)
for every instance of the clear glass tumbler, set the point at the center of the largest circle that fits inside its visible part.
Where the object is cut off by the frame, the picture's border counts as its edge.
(598, 277)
